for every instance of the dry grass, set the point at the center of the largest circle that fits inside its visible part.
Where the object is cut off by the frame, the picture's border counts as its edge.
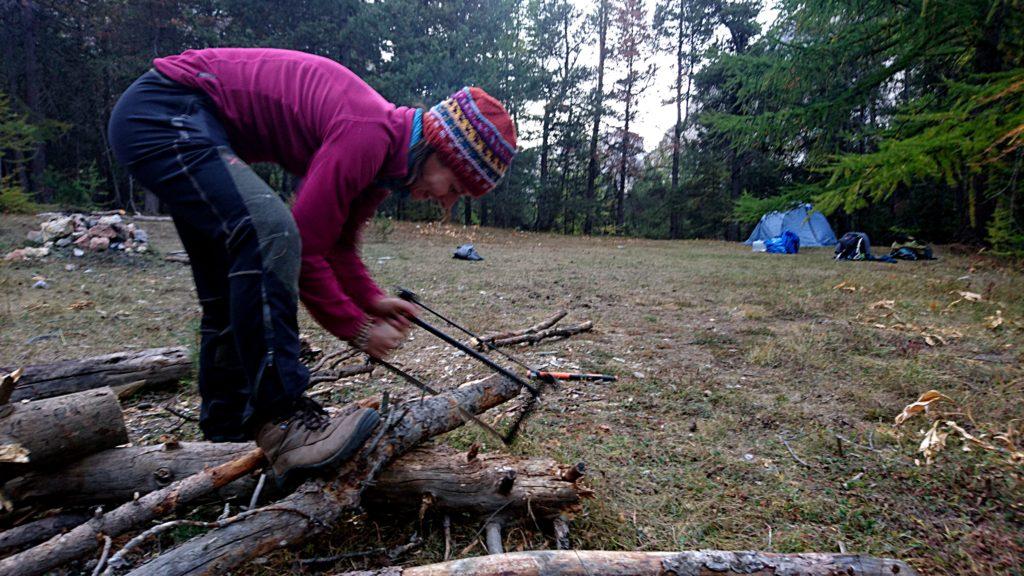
(719, 350)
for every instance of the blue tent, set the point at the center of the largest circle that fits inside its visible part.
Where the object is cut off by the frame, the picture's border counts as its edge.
(809, 225)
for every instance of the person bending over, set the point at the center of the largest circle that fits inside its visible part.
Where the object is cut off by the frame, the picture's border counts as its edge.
(188, 130)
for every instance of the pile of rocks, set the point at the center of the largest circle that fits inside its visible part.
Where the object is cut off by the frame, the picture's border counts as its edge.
(81, 233)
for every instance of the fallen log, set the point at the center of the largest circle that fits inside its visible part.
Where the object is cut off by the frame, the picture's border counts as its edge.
(485, 341)
(319, 504)
(475, 486)
(82, 539)
(608, 563)
(39, 530)
(454, 483)
(60, 429)
(153, 366)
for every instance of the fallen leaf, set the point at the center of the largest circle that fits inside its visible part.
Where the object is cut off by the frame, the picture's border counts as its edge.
(970, 296)
(995, 321)
(81, 305)
(922, 404)
(887, 304)
(934, 442)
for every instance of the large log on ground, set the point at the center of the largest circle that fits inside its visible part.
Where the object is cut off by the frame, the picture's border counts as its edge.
(82, 540)
(153, 366)
(453, 483)
(39, 530)
(697, 563)
(475, 486)
(64, 428)
(116, 475)
(318, 505)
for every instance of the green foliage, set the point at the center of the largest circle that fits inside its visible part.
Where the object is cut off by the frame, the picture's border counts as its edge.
(1006, 232)
(975, 132)
(79, 190)
(14, 200)
(17, 135)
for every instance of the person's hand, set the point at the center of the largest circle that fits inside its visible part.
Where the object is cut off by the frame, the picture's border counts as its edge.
(382, 338)
(394, 311)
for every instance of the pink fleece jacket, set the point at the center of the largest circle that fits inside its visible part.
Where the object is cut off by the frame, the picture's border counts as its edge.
(321, 122)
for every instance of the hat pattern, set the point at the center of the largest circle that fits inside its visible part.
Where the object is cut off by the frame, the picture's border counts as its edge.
(474, 136)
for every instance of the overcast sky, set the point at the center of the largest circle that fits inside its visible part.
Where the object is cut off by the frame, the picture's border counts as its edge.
(655, 118)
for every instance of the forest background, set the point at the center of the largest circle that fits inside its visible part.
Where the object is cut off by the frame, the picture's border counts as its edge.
(894, 117)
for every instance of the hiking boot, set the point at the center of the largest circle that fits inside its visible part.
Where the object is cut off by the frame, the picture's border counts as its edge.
(309, 439)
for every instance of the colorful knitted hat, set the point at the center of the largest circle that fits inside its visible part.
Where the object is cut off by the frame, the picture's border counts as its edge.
(474, 137)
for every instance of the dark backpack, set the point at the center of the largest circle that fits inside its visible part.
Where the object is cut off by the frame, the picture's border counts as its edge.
(854, 246)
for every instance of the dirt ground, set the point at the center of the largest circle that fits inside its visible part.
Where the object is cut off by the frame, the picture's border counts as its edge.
(724, 358)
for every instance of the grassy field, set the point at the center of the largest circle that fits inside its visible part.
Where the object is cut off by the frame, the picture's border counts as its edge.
(724, 356)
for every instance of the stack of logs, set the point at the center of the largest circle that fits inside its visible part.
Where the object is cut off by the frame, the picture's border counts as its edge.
(70, 487)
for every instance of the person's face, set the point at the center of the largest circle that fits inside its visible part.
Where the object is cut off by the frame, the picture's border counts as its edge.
(438, 183)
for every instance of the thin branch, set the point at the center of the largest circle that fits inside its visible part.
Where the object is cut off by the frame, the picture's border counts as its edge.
(103, 556)
(793, 454)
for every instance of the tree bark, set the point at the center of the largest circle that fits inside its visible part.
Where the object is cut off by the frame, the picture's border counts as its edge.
(317, 505)
(82, 540)
(454, 483)
(63, 429)
(153, 366)
(39, 530)
(608, 563)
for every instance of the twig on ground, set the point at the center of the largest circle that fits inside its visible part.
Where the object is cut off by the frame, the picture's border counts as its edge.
(393, 554)
(791, 453)
(338, 356)
(447, 537)
(256, 492)
(180, 414)
(103, 556)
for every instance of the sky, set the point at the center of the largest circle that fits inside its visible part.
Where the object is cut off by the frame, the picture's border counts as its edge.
(656, 117)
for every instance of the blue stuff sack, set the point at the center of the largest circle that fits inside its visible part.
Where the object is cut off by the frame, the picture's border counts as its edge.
(788, 243)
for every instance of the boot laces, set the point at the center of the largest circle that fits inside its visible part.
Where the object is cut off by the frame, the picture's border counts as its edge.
(310, 414)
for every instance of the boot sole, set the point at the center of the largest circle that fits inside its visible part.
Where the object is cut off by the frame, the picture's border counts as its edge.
(367, 422)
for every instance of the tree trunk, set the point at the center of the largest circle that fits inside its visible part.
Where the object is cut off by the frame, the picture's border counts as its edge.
(153, 366)
(62, 429)
(454, 482)
(608, 563)
(677, 133)
(317, 505)
(32, 84)
(544, 208)
(592, 163)
(151, 204)
(620, 199)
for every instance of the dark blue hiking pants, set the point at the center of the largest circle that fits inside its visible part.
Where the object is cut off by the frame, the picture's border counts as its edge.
(243, 245)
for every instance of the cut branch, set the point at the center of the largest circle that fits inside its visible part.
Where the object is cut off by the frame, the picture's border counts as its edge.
(533, 338)
(60, 429)
(153, 366)
(607, 563)
(484, 341)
